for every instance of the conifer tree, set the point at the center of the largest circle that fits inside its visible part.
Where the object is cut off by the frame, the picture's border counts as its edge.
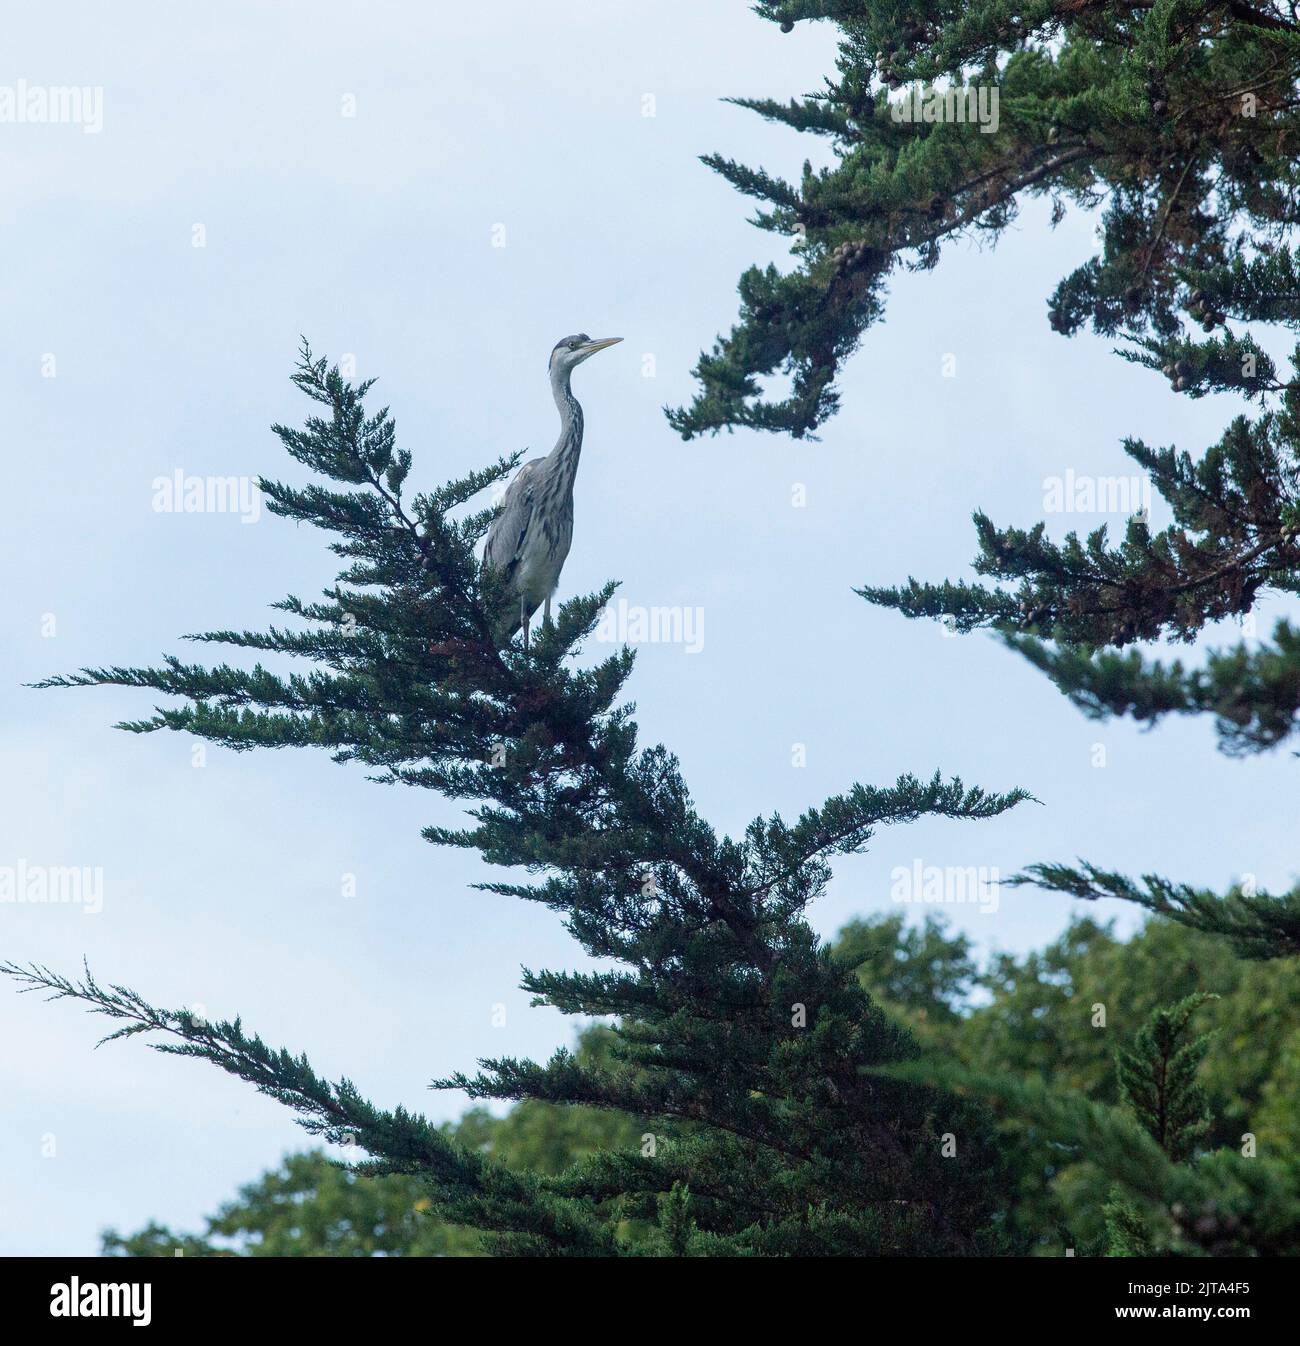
(1136, 1163)
(1181, 122)
(1030, 1021)
(740, 1040)
(311, 1205)
(1157, 1078)
(1179, 117)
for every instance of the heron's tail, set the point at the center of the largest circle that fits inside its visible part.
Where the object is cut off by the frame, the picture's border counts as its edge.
(506, 623)
(502, 602)
(505, 618)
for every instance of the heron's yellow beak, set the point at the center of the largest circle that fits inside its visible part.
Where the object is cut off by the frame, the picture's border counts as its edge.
(593, 346)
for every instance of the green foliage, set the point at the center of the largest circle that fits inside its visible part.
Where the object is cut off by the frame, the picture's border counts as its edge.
(1042, 1031)
(1157, 1078)
(1259, 924)
(310, 1207)
(314, 1206)
(1039, 1017)
(1252, 693)
(1070, 607)
(918, 973)
(1177, 119)
(1116, 1185)
(1031, 1018)
(1127, 1234)
(676, 1223)
(1234, 531)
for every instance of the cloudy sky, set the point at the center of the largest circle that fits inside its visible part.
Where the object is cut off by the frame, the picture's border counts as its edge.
(511, 174)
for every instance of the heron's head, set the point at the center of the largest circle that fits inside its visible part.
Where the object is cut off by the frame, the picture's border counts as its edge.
(571, 351)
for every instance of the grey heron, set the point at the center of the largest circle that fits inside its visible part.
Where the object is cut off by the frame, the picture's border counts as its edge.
(529, 540)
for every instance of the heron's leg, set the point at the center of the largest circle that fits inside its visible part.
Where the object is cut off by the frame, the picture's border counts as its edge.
(546, 612)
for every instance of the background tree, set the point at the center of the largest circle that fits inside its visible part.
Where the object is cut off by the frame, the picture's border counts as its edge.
(1027, 1016)
(1104, 1113)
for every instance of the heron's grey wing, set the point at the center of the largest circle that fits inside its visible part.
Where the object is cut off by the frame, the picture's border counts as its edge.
(506, 537)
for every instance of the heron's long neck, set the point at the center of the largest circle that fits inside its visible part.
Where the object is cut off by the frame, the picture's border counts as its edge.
(568, 447)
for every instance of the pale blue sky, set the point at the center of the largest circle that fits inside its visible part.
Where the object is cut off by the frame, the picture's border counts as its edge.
(373, 235)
